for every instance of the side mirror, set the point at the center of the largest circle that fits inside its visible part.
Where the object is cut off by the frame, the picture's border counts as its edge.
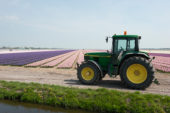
(106, 39)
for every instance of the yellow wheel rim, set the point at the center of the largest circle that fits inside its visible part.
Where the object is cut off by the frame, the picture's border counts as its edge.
(87, 73)
(136, 73)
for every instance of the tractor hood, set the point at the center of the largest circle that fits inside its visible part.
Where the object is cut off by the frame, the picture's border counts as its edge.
(98, 54)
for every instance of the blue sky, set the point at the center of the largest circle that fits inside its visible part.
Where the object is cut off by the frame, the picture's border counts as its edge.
(81, 24)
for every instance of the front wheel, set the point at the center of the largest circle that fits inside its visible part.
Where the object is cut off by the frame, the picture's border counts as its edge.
(137, 73)
(88, 73)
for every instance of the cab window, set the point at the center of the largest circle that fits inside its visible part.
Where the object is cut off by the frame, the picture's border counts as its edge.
(131, 44)
(120, 45)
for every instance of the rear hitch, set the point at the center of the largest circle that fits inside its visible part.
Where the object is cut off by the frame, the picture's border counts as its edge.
(156, 81)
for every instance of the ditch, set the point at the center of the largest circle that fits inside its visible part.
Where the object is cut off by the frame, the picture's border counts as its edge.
(7, 106)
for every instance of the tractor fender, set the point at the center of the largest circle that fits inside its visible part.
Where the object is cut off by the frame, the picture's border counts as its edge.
(139, 54)
(136, 54)
(97, 65)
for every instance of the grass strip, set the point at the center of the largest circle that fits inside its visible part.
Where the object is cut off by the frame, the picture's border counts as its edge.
(99, 100)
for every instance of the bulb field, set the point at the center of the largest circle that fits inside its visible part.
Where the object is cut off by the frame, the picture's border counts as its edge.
(161, 61)
(67, 59)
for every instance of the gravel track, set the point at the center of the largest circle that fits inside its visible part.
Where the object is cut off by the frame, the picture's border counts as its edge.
(68, 77)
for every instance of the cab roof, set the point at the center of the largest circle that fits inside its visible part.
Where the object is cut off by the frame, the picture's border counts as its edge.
(126, 36)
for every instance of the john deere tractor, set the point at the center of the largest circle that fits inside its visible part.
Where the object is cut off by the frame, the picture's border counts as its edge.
(124, 59)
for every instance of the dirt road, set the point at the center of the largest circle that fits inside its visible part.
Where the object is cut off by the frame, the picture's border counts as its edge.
(68, 77)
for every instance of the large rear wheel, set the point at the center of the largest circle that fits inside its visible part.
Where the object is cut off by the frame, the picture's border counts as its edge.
(137, 73)
(88, 73)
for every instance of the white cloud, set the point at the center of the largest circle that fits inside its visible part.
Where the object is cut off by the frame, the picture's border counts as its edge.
(9, 18)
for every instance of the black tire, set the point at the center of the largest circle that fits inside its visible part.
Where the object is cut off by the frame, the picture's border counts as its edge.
(137, 60)
(96, 77)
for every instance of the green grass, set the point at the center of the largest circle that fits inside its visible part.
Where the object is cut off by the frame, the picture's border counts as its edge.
(99, 100)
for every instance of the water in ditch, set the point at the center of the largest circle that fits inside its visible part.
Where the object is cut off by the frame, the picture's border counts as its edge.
(20, 107)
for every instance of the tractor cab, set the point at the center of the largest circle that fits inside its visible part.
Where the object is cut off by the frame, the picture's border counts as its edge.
(124, 43)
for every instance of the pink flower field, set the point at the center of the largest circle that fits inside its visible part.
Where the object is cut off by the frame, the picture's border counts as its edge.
(161, 62)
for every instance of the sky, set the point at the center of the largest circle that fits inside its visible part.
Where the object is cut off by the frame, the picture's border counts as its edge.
(83, 24)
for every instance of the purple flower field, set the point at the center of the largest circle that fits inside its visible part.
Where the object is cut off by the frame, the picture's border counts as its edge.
(20, 59)
(159, 54)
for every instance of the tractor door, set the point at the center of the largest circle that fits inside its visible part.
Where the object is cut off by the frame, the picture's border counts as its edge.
(119, 47)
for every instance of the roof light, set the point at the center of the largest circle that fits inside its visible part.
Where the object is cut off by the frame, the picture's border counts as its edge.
(125, 32)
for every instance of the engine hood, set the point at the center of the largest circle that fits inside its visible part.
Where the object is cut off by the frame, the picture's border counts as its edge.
(98, 54)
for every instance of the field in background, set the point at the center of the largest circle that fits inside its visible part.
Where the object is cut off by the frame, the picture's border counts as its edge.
(57, 58)
(68, 58)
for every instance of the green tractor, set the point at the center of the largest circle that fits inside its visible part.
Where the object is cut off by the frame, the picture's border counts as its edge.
(125, 59)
